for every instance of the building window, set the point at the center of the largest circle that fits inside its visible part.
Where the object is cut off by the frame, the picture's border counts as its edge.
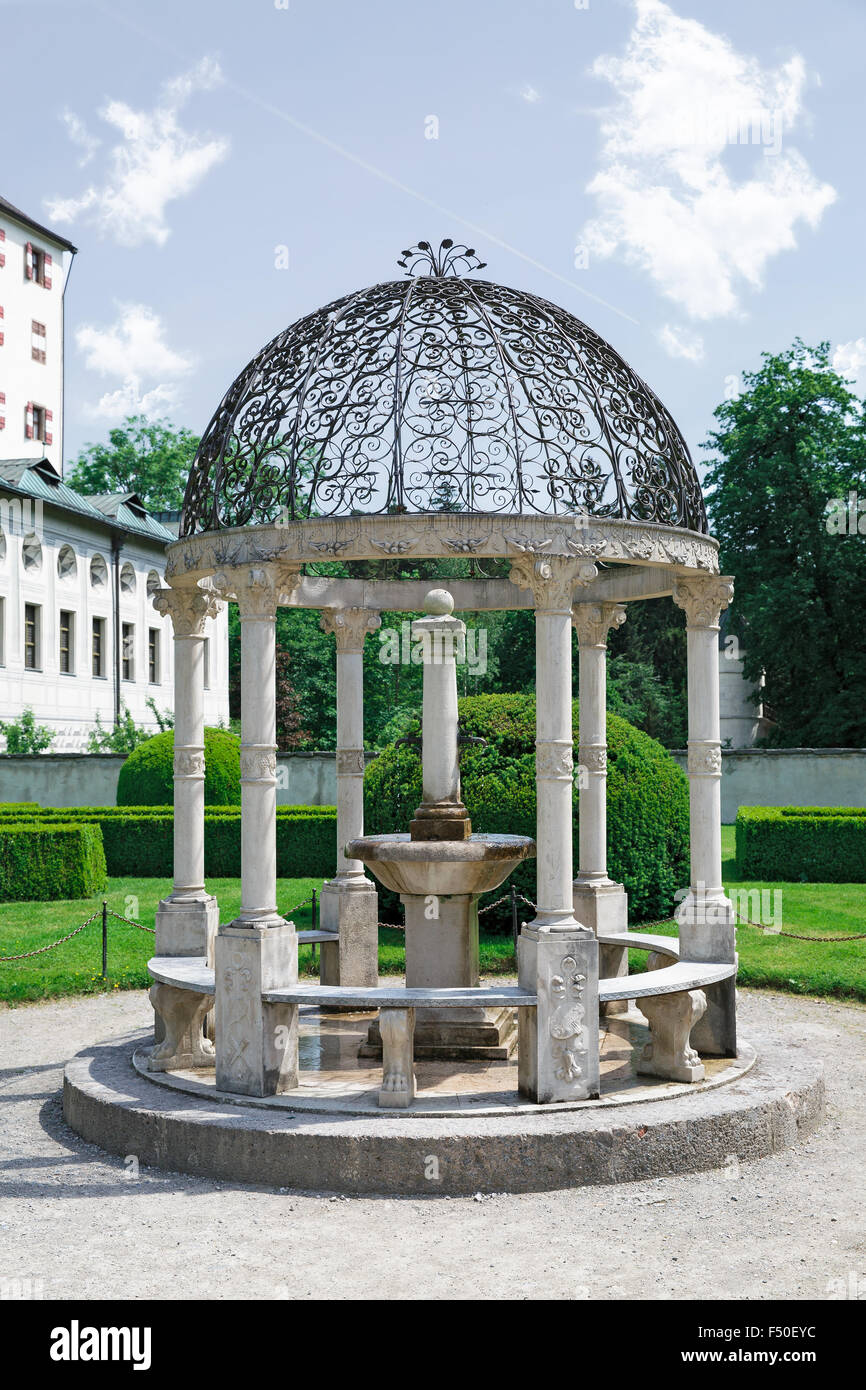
(37, 341)
(127, 651)
(67, 564)
(153, 656)
(32, 637)
(127, 579)
(37, 420)
(31, 552)
(37, 265)
(98, 572)
(97, 647)
(206, 662)
(67, 642)
(154, 583)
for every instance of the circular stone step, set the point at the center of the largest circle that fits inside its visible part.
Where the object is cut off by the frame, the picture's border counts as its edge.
(778, 1101)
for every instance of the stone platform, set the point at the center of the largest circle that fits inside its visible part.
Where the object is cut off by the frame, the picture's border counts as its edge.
(468, 1131)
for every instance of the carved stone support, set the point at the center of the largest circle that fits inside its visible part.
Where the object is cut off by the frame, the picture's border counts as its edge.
(706, 917)
(397, 1027)
(183, 1046)
(256, 1042)
(671, 1018)
(557, 1052)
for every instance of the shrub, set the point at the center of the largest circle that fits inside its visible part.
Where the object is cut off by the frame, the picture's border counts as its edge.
(41, 861)
(817, 844)
(647, 798)
(146, 778)
(24, 735)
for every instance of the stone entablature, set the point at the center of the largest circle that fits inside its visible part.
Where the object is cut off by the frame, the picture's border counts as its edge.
(432, 535)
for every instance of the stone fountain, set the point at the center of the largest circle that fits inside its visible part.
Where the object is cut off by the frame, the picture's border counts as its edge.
(440, 867)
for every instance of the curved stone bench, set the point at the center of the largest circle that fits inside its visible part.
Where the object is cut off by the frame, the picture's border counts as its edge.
(672, 996)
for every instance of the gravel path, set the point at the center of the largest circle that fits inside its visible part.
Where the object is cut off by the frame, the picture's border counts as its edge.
(785, 1227)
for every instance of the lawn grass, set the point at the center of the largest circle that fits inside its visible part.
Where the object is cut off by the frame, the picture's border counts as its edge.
(836, 970)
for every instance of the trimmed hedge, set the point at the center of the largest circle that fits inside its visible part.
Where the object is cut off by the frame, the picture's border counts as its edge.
(647, 799)
(139, 841)
(802, 844)
(43, 861)
(147, 776)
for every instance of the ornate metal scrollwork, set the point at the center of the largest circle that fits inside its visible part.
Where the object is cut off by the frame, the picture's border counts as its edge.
(437, 393)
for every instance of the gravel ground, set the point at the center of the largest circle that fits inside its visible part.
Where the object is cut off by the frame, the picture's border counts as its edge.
(80, 1222)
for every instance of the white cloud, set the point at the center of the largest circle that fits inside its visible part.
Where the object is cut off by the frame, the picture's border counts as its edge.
(529, 93)
(850, 358)
(681, 342)
(667, 201)
(134, 351)
(155, 161)
(80, 136)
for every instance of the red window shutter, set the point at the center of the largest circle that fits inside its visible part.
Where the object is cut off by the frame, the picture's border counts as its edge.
(2, 260)
(28, 420)
(2, 339)
(2, 397)
(2, 311)
(49, 416)
(2, 422)
(49, 438)
(46, 283)
(28, 260)
(28, 431)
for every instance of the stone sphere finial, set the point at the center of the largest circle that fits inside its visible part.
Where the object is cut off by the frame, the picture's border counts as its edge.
(439, 603)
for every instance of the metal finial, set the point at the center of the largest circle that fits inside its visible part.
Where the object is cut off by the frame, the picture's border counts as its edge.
(448, 260)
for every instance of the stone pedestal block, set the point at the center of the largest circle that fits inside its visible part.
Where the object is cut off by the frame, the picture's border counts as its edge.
(256, 1043)
(558, 1047)
(183, 1046)
(603, 907)
(354, 913)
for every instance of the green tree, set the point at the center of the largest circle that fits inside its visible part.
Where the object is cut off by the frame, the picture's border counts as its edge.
(24, 735)
(786, 448)
(150, 457)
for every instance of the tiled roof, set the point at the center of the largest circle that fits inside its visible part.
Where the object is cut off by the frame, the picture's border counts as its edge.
(39, 478)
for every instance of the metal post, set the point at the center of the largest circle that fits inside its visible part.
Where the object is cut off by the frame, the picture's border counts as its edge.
(514, 925)
(104, 938)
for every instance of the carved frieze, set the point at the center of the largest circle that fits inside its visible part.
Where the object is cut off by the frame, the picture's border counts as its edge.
(554, 761)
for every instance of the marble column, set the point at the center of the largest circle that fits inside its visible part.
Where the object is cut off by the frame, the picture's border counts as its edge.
(557, 955)
(706, 916)
(257, 1043)
(187, 920)
(349, 903)
(598, 902)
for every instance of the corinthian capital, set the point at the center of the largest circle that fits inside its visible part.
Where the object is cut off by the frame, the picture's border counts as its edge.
(702, 598)
(350, 626)
(188, 607)
(257, 589)
(552, 579)
(593, 621)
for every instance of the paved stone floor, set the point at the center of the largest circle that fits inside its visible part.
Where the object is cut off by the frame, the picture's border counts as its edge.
(83, 1224)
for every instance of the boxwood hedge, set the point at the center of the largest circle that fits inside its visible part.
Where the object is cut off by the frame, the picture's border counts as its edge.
(44, 860)
(647, 798)
(147, 776)
(805, 844)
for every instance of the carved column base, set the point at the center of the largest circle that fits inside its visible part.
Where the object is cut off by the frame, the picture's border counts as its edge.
(183, 1046)
(256, 1042)
(557, 1056)
(671, 1018)
(397, 1027)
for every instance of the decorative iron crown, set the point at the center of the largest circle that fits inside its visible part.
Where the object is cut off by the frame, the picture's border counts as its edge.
(448, 260)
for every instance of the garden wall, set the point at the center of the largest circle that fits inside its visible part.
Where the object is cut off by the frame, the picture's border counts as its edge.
(790, 777)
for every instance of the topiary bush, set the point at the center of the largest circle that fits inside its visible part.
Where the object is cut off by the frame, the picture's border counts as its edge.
(44, 861)
(647, 800)
(146, 778)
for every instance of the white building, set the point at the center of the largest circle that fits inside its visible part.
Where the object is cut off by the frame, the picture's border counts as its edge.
(78, 634)
(34, 268)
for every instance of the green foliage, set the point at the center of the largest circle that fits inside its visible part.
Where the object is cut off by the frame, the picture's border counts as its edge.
(24, 735)
(819, 844)
(648, 810)
(126, 735)
(42, 861)
(140, 839)
(147, 776)
(785, 449)
(149, 457)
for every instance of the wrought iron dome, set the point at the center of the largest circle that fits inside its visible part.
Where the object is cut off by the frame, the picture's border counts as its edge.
(440, 393)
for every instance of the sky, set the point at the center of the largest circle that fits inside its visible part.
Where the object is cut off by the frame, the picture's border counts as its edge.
(687, 178)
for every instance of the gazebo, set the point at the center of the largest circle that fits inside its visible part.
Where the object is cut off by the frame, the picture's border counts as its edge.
(439, 416)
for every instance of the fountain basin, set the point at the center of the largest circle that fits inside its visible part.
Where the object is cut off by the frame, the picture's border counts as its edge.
(444, 867)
